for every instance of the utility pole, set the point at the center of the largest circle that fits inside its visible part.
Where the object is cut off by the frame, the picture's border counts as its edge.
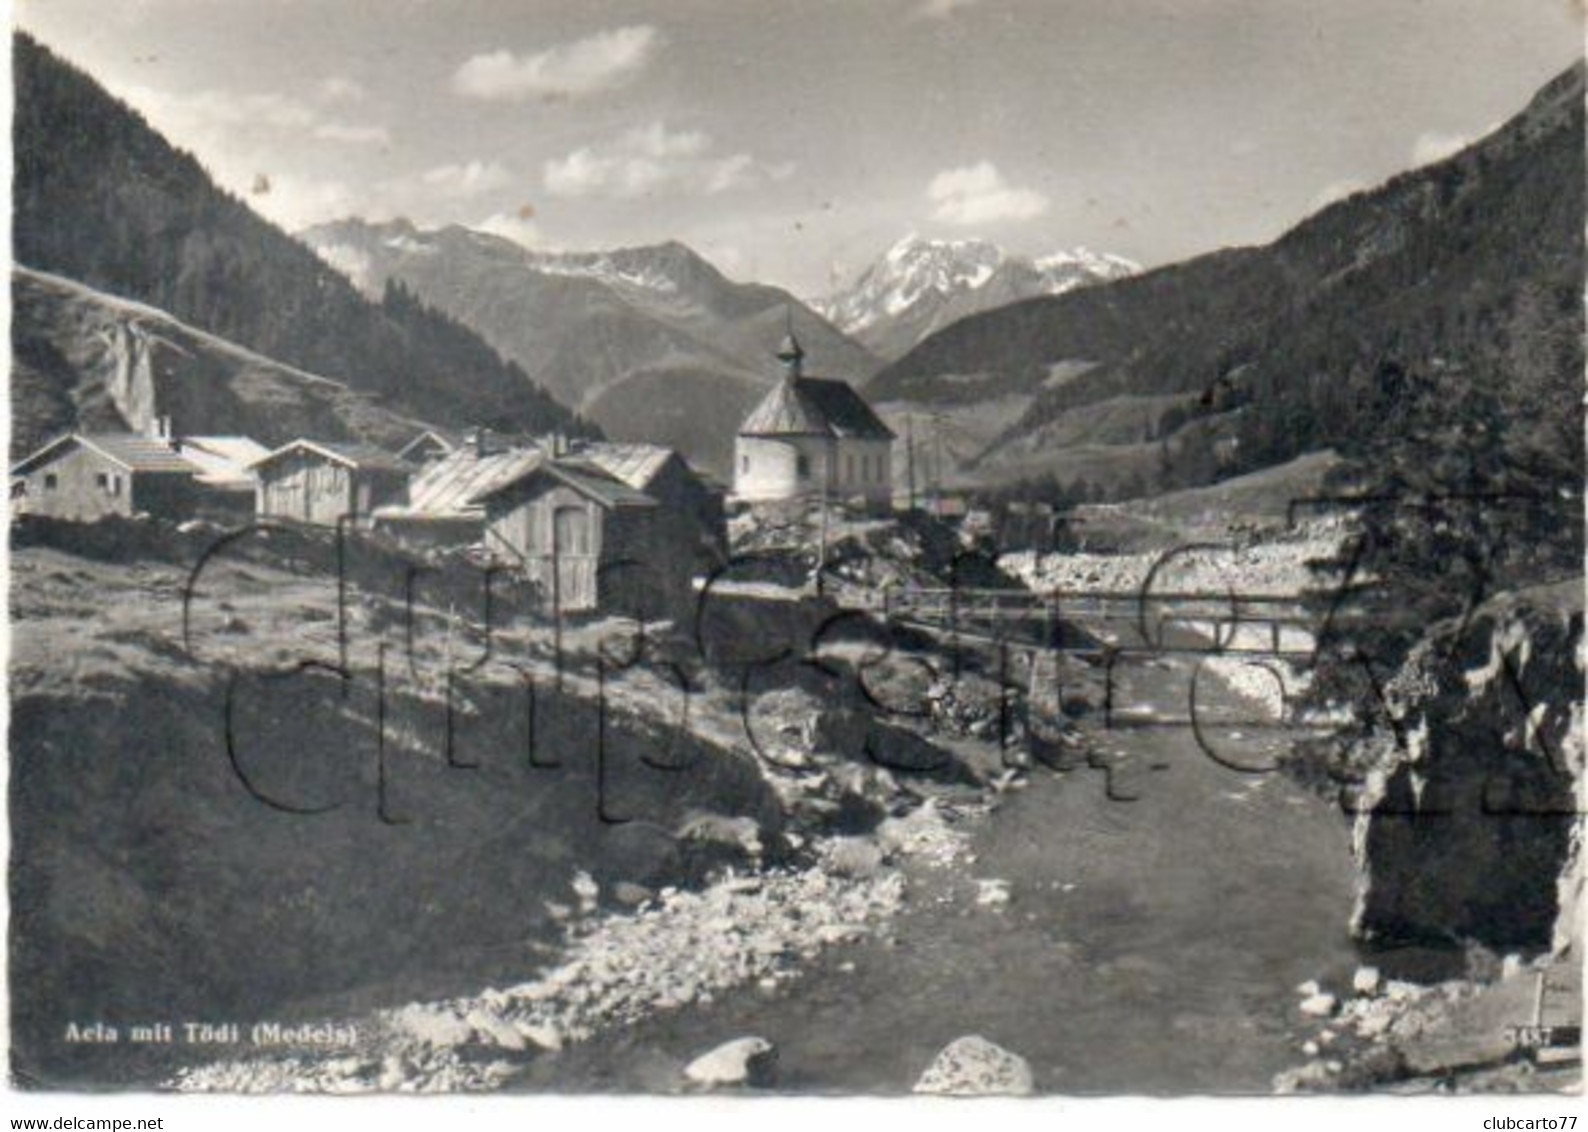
(909, 456)
(821, 545)
(937, 456)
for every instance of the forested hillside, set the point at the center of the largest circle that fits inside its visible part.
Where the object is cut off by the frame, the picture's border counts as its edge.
(101, 198)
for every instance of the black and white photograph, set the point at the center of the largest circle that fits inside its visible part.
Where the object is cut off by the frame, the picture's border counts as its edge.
(752, 550)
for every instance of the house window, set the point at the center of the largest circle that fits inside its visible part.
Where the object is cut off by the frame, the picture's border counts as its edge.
(744, 464)
(108, 483)
(849, 467)
(51, 482)
(802, 465)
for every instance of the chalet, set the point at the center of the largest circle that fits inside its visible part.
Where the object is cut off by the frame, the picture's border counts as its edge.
(590, 541)
(92, 475)
(809, 438)
(320, 481)
(429, 446)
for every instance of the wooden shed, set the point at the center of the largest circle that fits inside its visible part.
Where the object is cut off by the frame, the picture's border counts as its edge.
(590, 542)
(318, 481)
(88, 476)
(666, 477)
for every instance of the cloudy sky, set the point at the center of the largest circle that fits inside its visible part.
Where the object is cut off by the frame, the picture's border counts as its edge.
(793, 140)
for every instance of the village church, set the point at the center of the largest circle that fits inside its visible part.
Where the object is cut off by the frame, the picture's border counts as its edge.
(810, 438)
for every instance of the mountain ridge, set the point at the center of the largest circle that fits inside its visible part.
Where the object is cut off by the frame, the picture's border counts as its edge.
(101, 198)
(599, 326)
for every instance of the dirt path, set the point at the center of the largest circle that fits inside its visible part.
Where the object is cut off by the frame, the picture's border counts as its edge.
(1150, 945)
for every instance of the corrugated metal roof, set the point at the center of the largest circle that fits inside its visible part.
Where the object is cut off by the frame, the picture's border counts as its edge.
(449, 487)
(131, 450)
(635, 464)
(222, 460)
(814, 406)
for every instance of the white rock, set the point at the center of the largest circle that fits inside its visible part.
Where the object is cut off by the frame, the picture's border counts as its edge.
(743, 1061)
(992, 892)
(1319, 1005)
(542, 1034)
(1366, 980)
(839, 933)
(1375, 1024)
(586, 889)
(974, 1066)
(495, 1029)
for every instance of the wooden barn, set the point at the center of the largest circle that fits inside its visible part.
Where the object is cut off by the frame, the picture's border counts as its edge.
(319, 481)
(442, 508)
(666, 477)
(92, 475)
(591, 542)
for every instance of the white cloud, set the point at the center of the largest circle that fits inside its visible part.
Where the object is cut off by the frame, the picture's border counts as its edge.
(604, 61)
(217, 123)
(1433, 146)
(978, 194)
(468, 179)
(513, 226)
(652, 159)
(351, 262)
(295, 203)
(352, 135)
(339, 88)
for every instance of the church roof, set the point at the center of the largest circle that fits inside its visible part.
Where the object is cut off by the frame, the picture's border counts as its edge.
(814, 406)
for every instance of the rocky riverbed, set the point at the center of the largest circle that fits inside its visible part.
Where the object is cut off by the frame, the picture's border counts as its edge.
(676, 950)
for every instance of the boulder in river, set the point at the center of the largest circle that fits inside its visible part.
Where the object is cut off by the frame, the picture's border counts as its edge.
(974, 1066)
(1321, 1005)
(743, 1061)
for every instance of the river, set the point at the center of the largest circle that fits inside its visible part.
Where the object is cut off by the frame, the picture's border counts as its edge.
(1150, 945)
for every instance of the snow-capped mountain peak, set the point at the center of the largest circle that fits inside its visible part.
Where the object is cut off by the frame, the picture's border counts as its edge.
(919, 285)
(909, 271)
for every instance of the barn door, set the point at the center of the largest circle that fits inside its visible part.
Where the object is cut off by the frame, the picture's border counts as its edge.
(571, 546)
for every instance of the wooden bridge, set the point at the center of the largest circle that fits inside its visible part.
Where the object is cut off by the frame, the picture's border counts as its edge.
(1239, 624)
